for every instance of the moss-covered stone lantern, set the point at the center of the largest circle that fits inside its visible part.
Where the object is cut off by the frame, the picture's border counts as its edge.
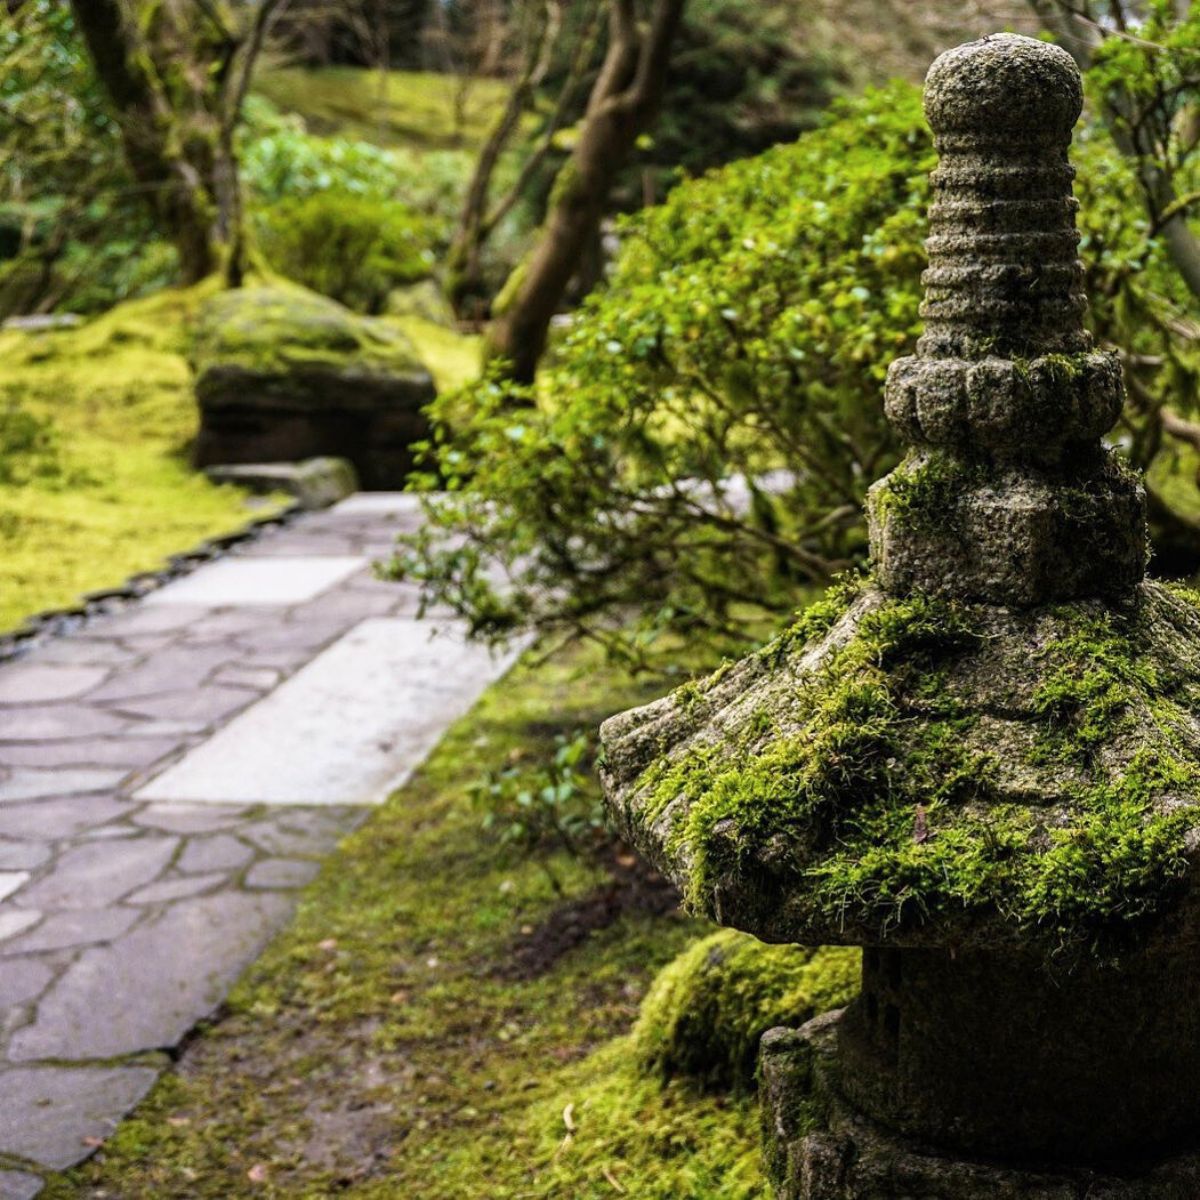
(981, 762)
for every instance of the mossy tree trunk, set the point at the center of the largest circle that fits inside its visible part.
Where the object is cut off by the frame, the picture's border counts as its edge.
(177, 81)
(623, 102)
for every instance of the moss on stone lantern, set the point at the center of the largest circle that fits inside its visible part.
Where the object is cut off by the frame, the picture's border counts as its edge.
(982, 761)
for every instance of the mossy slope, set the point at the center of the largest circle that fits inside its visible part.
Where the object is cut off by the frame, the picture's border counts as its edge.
(706, 1011)
(929, 771)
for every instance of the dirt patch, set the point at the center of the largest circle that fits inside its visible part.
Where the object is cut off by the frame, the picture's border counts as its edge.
(632, 886)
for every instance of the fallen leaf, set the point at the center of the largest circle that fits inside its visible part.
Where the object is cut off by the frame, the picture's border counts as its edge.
(569, 1117)
(920, 826)
(257, 1173)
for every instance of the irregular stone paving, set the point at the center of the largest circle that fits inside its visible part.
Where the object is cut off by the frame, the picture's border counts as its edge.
(170, 775)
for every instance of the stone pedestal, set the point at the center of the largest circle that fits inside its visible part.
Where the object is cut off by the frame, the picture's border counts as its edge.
(821, 1147)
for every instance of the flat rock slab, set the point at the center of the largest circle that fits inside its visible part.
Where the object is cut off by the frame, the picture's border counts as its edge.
(33, 683)
(17, 1185)
(378, 504)
(280, 581)
(346, 729)
(49, 1115)
(147, 990)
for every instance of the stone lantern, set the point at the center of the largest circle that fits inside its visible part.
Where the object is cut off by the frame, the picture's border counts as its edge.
(982, 761)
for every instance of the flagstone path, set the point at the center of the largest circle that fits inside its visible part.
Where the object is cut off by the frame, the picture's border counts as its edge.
(170, 775)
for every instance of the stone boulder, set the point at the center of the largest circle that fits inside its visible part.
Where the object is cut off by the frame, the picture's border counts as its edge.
(283, 374)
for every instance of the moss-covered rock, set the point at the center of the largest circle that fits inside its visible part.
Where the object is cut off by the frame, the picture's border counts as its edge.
(283, 374)
(926, 771)
(707, 1010)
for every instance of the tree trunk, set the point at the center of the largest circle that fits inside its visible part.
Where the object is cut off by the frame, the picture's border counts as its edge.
(623, 102)
(175, 191)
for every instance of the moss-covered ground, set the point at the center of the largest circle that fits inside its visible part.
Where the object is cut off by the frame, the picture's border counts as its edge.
(94, 479)
(411, 109)
(384, 1046)
(95, 426)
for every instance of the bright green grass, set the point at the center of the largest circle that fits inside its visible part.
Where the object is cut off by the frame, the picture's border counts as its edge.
(108, 491)
(374, 1052)
(413, 109)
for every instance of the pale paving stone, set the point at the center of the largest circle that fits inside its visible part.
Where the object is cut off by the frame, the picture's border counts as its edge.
(14, 921)
(22, 980)
(189, 818)
(65, 931)
(219, 853)
(28, 784)
(300, 832)
(50, 1114)
(346, 729)
(232, 581)
(55, 819)
(35, 683)
(18, 1185)
(99, 873)
(145, 991)
(73, 651)
(378, 504)
(176, 889)
(10, 881)
(281, 874)
(126, 752)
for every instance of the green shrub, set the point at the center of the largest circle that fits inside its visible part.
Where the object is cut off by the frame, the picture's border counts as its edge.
(351, 248)
(701, 440)
(705, 1013)
(546, 805)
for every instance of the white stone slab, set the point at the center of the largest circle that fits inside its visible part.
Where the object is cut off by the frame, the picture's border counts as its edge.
(232, 581)
(378, 502)
(347, 728)
(10, 881)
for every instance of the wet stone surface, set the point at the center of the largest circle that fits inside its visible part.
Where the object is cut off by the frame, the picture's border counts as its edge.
(125, 916)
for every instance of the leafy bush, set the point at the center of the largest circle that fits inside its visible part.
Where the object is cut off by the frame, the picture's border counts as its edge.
(351, 248)
(544, 805)
(699, 447)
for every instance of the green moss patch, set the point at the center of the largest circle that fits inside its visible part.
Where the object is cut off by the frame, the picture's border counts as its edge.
(704, 1016)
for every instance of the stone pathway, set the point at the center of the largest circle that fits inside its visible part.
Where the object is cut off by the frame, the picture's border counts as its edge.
(170, 775)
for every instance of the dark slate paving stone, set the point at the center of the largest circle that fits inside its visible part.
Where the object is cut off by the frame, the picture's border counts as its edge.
(26, 783)
(145, 991)
(52, 820)
(68, 930)
(99, 873)
(281, 874)
(22, 856)
(23, 979)
(195, 707)
(167, 890)
(190, 818)
(219, 853)
(49, 1114)
(18, 1185)
(139, 620)
(175, 669)
(128, 752)
(28, 681)
(57, 722)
